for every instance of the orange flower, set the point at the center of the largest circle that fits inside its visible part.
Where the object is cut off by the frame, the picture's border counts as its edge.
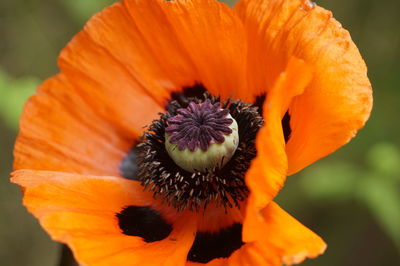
(139, 58)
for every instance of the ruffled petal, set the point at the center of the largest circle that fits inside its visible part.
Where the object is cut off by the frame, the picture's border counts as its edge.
(338, 100)
(268, 170)
(81, 211)
(288, 238)
(116, 76)
(59, 131)
(155, 47)
(283, 241)
(207, 32)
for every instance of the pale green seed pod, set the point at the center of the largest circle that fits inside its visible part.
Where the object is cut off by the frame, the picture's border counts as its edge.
(215, 157)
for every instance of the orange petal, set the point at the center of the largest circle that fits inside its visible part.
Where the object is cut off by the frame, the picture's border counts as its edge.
(283, 241)
(268, 170)
(60, 131)
(204, 37)
(156, 47)
(80, 211)
(292, 241)
(117, 74)
(338, 100)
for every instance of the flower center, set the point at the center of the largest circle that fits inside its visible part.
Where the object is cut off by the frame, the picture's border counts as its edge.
(198, 152)
(201, 137)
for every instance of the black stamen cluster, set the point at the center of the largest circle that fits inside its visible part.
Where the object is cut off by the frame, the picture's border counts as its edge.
(181, 189)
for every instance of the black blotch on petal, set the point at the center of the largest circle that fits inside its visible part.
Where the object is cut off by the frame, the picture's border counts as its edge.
(183, 97)
(143, 221)
(128, 167)
(209, 246)
(286, 126)
(259, 102)
(196, 90)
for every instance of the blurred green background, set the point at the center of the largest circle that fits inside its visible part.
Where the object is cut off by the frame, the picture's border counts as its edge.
(350, 198)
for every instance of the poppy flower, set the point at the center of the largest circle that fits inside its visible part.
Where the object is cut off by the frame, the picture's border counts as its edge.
(234, 101)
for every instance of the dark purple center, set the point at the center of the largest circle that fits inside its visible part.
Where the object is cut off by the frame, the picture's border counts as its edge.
(199, 125)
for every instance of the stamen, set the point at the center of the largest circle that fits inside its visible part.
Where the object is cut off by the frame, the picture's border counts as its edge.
(222, 184)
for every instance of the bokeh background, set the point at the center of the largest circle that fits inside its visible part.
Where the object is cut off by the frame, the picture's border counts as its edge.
(350, 198)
